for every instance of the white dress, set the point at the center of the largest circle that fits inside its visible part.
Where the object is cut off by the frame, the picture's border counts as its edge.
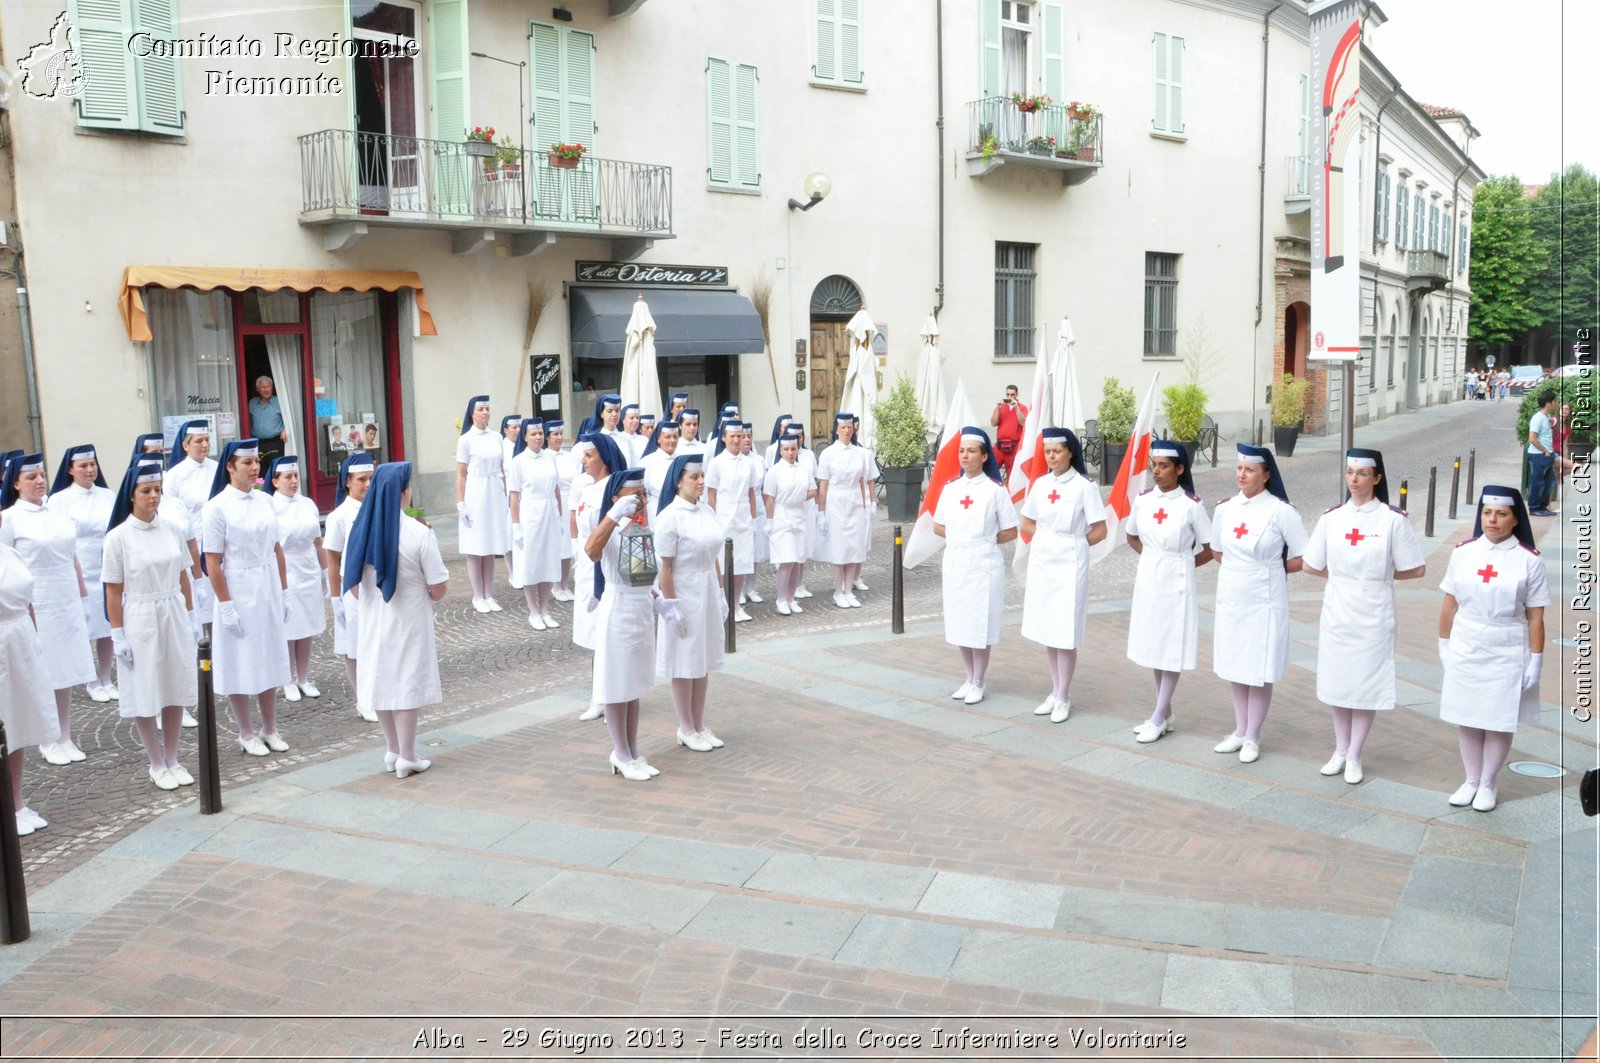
(346, 632)
(1494, 586)
(728, 476)
(587, 516)
(624, 634)
(298, 531)
(787, 485)
(89, 509)
(534, 479)
(1361, 548)
(1164, 618)
(398, 653)
(844, 467)
(149, 561)
(46, 542)
(869, 476)
(27, 701)
(655, 465)
(690, 534)
(692, 446)
(243, 527)
(566, 469)
(1250, 641)
(189, 484)
(973, 511)
(485, 496)
(1055, 602)
(807, 460)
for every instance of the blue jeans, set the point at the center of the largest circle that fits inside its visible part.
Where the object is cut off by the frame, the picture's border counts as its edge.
(1541, 480)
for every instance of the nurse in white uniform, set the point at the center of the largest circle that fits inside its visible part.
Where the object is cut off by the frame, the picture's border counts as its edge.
(355, 477)
(1259, 538)
(629, 439)
(756, 475)
(244, 560)
(147, 596)
(601, 459)
(974, 517)
(510, 432)
(46, 542)
(148, 445)
(481, 502)
(658, 455)
(80, 494)
(1361, 547)
(566, 468)
(730, 494)
(27, 706)
(1491, 640)
(394, 566)
(190, 472)
(300, 532)
(689, 441)
(787, 489)
(842, 509)
(869, 464)
(1063, 516)
(538, 529)
(689, 633)
(1168, 528)
(625, 625)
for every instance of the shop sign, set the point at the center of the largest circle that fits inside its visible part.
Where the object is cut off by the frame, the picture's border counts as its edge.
(651, 273)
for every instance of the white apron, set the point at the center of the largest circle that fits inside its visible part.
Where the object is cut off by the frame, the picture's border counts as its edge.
(1494, 585)
(189, 484)
(587, 516)
(90, 511)
(843, 468)
(243, 528)
(566, 469)
(149, 560)
(1055, 603)
(973, 511)
(298, 531)
(45, 542)
(534, 479)
(1250, 644)
(787, 485)
(485, 495)
(655, 465)
(1164, 616)
(27, 701)
(692, 536)
(346, 632)
(624, 635)
(398, 651)
(726, 473)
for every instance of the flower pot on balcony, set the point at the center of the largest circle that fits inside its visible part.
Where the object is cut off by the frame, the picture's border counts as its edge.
(1083, 154)
(480, 149)
(512, 170)
(561, 162)
(1077, 114)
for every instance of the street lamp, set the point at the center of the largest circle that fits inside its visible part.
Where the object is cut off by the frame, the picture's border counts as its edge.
(522, 127)
(817, 187)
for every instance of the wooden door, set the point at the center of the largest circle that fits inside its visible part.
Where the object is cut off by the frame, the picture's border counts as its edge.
(830, 358)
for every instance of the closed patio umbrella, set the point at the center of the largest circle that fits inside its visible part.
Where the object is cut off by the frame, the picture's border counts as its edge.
(640, 381)
(861, 376)
(1064, 388)
(930, 378)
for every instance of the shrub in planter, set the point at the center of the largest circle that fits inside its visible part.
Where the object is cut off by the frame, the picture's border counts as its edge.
(1288, 413)
(1118, 410)
(902, 447)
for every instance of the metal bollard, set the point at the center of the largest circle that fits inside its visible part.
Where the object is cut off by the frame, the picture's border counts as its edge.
(1427, 521)
(1405, 491)
(14, 905)
(210, 780)
(897, 622)
(1455, 486)
(1472, 470)
(729, 642)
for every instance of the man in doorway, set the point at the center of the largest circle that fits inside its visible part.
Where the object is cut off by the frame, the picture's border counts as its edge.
(266, 421)
(1010, 418)
(1542, 455)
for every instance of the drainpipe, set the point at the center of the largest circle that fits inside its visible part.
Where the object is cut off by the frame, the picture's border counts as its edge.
(938, 35)
(1455, 187)
(1261, 222)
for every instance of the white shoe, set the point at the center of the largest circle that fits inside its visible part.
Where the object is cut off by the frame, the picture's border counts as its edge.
(716, 743)
(1352, 772)
(1464, 794)
(753, 596)
(111, 688)
(962, 691)
(291, 692)
(38, 821)
(694, 742)
(1062, 710)
(1045, 706)
(179, 772)
(254, 746)
(275, 742)
(25, 826)
(403, 768)
(860, 584)
(99, 694)
(801, 592)
(54, 754)
(1335, 764)
(536, 621)
(648, 768)
(783, 608)
(389, 760)
(494, 607)
(370, 715)
(163, 778)
(1249, 753)
(309, 689)
(1485, 800)
(1230, 744)
(70, 748)
(740, 616)
(549, 621)
(189, 720)
(974, 695)
(840, 600)
(854, 602)
(480, 605)
(794, 607)
(628, 769)
(1149, 732)
(561, 594)
(593, 712)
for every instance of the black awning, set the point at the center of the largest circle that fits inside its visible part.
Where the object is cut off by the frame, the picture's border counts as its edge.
(688, 323)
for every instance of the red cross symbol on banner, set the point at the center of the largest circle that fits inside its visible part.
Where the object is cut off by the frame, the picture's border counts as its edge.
(1054, 496)
(1240, 532)
(1487, 572)
(1355, 536)
(1160, 515)
(966, 503)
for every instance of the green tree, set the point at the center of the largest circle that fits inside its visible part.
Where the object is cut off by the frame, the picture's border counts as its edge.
(1566, 284)
(1505, 255)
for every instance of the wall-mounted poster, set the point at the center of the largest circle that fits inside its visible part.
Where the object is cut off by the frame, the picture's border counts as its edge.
(355, 435)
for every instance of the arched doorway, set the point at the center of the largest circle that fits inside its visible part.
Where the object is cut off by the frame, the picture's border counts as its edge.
(1296, 323)
(834, 301)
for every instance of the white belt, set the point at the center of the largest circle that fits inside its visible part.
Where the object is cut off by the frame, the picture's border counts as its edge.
(1231, 560)
(1352, 581)
(1176, 555)
(153, 596)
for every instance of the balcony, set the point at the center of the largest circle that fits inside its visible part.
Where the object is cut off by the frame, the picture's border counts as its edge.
(1297, 196)
(1427, 271)
(999, 133)
(350, 181)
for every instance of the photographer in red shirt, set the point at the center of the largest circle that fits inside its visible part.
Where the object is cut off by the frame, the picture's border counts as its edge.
(1010, 418)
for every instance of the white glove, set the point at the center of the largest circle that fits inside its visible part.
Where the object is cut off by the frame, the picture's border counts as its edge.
(338, 607)
(1531, 670)
(196, 626)
(120, 647)
(516, 536)
(285, 612)
(624, 508)
(88, 610)
(666, 607)
(592, 605)
(461, 512)
(722, 605)
(822, 523)
(228, 617)
(1444, 648)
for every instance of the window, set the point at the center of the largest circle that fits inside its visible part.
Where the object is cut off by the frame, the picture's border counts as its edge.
(1380, 205)
(1400, 216)
(1461, 256)
(1167, 113)
(1160, 305)
(562, 77)
(1433, 227)
(836, 42)
(1419, 223)
(733, 152)
(122, 88)
(1445, 222)
(1013, 300)
(1394, 332)
(1303, 161)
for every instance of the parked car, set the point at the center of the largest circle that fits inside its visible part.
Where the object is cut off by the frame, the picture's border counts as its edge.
(1525, 377)
(1573, 370)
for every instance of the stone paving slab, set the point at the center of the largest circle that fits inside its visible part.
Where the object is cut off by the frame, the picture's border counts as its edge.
(617, 900)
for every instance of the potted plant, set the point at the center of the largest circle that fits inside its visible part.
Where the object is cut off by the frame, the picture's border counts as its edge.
(566, 156)
(990, 148)
(509, 157)
(1184, 404)
(480, 142)
(1029, 104)
(902, 443)
(1079, 111)
(1042, 146)
(1119, 408)
(1288, 412)
(1080, 142)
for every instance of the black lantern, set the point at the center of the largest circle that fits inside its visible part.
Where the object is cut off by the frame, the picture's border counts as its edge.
(638, 557)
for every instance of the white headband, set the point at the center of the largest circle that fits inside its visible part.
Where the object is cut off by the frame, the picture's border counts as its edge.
(197, 430)
(86, 454)
(153, 476)
(1253, 459)
(359, 466)
(36, 466)
(1162, 448)
(247, 452)
(1361, 463)
(1500, 500)
(480, 404)
(287, 466)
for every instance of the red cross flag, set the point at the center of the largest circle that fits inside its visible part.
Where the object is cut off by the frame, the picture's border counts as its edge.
(922, 543)
(1131, 479)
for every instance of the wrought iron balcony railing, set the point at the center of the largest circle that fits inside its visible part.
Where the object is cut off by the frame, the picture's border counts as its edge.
(998, 129)
(351, 174)
(1427, 269)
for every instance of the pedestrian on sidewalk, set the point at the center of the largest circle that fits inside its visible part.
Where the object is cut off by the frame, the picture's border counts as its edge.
(355, 478)
(300, 532)
(1062, 516)
(842, 508)
(788, 489)
(395, 562)
(1009, 419)
(974, 517)
(1542, 455)
(244, 559)
(537, 528)
(150, 609)
(1168, 528)
(1491, 640)
(693, 603)
(1258, 537)
(1361, 547)
(624, 625)
(27, 707)
(482, 506)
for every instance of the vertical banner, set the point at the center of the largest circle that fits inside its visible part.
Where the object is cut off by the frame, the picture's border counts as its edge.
(1336, 180)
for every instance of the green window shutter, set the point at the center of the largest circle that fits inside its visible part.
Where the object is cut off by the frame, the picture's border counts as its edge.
(851, 70)
(448, 49)
(719, 120)
(989, 36)
(577, 84)
(160, 78)
(1175, 47)
(746, 141)
(549, 123)
(110, 96)
(1158, 113)
(825, 40)
(1053, 51)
